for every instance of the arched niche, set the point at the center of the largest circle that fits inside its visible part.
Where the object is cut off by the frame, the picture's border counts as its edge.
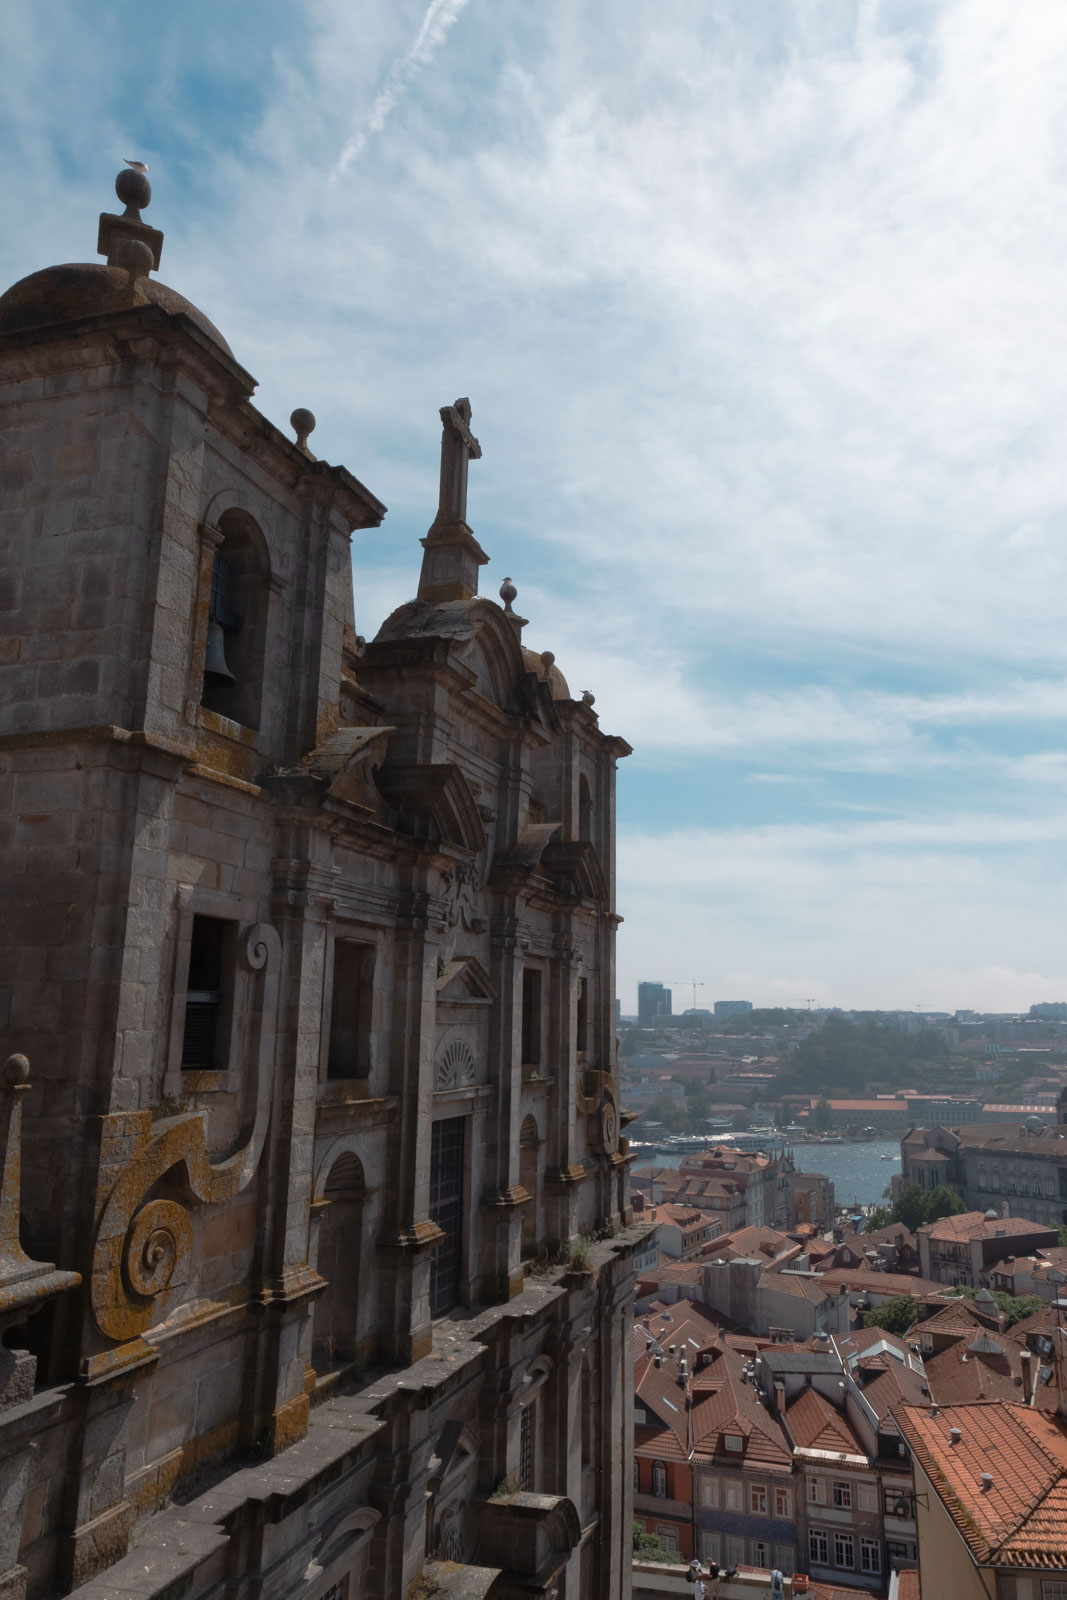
(238, 604)
(336, 1330)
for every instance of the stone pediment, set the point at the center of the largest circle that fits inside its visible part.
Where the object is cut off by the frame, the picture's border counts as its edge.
(575, 870)
(464, 982)
(436, 799)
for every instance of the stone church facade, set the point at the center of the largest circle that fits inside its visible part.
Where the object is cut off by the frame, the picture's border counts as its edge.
(316, 1273)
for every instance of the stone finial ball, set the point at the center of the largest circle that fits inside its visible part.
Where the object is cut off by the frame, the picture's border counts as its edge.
(133, 188)
(508, 591)
(302, 422)
(136, 257)
(547, 657)
(16, 1070)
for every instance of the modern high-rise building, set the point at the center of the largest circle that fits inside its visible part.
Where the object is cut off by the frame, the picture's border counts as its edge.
(732, 1008)
(653, 1004)
(307, 991)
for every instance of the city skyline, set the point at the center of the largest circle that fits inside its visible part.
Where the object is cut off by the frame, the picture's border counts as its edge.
(760, 312)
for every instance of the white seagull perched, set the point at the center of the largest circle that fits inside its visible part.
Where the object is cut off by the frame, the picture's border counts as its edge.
(138, 166)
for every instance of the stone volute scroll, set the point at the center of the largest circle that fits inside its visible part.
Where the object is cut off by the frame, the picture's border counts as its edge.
(25, 1285)
(143, 1254)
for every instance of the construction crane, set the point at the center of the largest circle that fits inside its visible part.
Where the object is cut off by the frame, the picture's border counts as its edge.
(806, 1000)
(688, 983)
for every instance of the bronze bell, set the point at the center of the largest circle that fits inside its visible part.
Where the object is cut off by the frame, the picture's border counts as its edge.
(217, 674)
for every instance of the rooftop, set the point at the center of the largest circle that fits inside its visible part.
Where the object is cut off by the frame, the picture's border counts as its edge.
(817, 1425)
(1020, 1518)
(976, 1225)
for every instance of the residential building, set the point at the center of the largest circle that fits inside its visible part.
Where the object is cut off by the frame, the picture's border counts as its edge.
(813, 1199)
(764, 1176)
(682, 1231)
(732, 1008)
(1022, 1164)
(963, 1249)
(307, 961)
(666, 1342)
(990, 1488)
(774, 1300)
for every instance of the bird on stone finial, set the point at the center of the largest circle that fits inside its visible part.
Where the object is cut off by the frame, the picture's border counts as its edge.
(133, 188)
(508, 592)
(138, 166)
(588, 698)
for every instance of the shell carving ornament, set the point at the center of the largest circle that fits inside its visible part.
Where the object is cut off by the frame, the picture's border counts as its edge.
(455, 1066)
(144, 1246)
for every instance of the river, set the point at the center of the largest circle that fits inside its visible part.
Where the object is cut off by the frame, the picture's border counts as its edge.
(857, 1171)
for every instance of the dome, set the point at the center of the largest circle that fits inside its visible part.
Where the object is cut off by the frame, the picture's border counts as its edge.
(88, 289)
(547, 671)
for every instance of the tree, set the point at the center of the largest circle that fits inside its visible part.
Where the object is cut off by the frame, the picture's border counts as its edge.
(881, 1217)
(1062, 1231)
(910, 1207)
(649, 1546)
(1017, 1306)
(697, 1099)
(740, 1122)
(943, 1202)
(895, 1315)
(822, 1116)
(670, 1112)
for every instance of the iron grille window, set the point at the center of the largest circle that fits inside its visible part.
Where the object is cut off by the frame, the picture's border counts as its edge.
(446, 1209)
(203, 998)
(526, 1447)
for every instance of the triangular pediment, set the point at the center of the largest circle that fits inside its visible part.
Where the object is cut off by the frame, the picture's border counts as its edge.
(464, 982)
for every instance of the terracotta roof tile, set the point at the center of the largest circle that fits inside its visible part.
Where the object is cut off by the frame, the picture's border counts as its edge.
(976, 1225)
(817, 1425)
(1021, 1520)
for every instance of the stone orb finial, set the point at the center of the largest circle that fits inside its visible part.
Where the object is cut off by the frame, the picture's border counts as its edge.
(508, 592)
(132, 186)
(547, 658)
(16, 1071)
(588, 698)
(136, 257)
(302, 423)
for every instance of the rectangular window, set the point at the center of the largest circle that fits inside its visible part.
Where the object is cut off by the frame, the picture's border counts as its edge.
(336, 1591)
(757, 1499)
(816, 1491)
(350, 1003)
(668, 1536)
(818, 1547)
(843, 1496)
(735, 1550)
(733, 1441)
(582, 1022)
(870, 1556)
(867, 1497)
(203, 1042)
(709, 1492)
(733, 1497)
(1054, 1589)
(761, 1553)
(781, 1503)
(446, 1209)
(526, 1446)
(531, 1017)
(785, 1559)
(844, 1550)
(710, 1547)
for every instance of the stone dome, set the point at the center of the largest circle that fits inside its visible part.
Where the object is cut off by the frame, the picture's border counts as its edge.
(549, 674)
(88, 289)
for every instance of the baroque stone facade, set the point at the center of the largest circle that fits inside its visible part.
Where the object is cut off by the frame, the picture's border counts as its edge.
(309, 943)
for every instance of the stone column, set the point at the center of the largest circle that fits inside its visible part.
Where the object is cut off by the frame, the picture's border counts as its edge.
(504, 1198)
(564, 1171)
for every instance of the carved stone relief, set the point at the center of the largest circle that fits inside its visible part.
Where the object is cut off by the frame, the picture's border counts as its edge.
(455, 1066)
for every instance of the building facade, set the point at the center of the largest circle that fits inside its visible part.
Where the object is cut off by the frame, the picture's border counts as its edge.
(1022, 1164)
(308, 943)
(654, 1003)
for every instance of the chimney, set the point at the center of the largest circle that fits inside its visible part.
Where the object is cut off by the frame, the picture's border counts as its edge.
(954, 1437)
(986, 1482)
(779, 1396)
(1026, 1364)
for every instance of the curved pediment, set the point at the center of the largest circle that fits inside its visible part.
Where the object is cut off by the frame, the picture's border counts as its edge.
(575, 870)
(436, 800)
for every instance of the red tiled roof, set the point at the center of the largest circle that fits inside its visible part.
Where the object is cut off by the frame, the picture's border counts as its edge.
(1021, 1520)
(959, 1374)
(908, 1584)
(976, 1225)
(723, 1403)
(817, 1425)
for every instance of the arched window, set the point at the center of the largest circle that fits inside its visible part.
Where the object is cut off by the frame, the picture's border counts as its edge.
(585, 809)
(335, 1339)
(237, 621)
(659, 1479)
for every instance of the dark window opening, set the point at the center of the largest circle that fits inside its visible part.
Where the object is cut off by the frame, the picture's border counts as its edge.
(350, 1007)
(203, 1045)
(446, 1209)
(526, 1447)
(531, 1017)
(585, 810)
(583, 1019)
(235, 649)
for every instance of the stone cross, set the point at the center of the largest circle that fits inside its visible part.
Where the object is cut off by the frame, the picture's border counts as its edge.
(458, 446)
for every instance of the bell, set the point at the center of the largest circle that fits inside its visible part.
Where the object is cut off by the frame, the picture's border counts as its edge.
(217, 674)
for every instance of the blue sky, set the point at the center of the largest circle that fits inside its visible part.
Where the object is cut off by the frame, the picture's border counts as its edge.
(760, 308)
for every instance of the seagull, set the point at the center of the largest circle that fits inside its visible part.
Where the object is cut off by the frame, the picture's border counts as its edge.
(138, 166)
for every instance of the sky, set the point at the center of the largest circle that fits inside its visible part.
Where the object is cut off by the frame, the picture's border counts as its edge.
(761, 311)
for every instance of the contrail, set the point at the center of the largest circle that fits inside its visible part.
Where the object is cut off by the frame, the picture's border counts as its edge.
(440, 15)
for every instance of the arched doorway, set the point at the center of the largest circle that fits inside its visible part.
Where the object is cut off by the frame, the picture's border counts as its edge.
(336, 1331)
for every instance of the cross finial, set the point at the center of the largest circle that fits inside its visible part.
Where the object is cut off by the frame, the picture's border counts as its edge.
(458, 446)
